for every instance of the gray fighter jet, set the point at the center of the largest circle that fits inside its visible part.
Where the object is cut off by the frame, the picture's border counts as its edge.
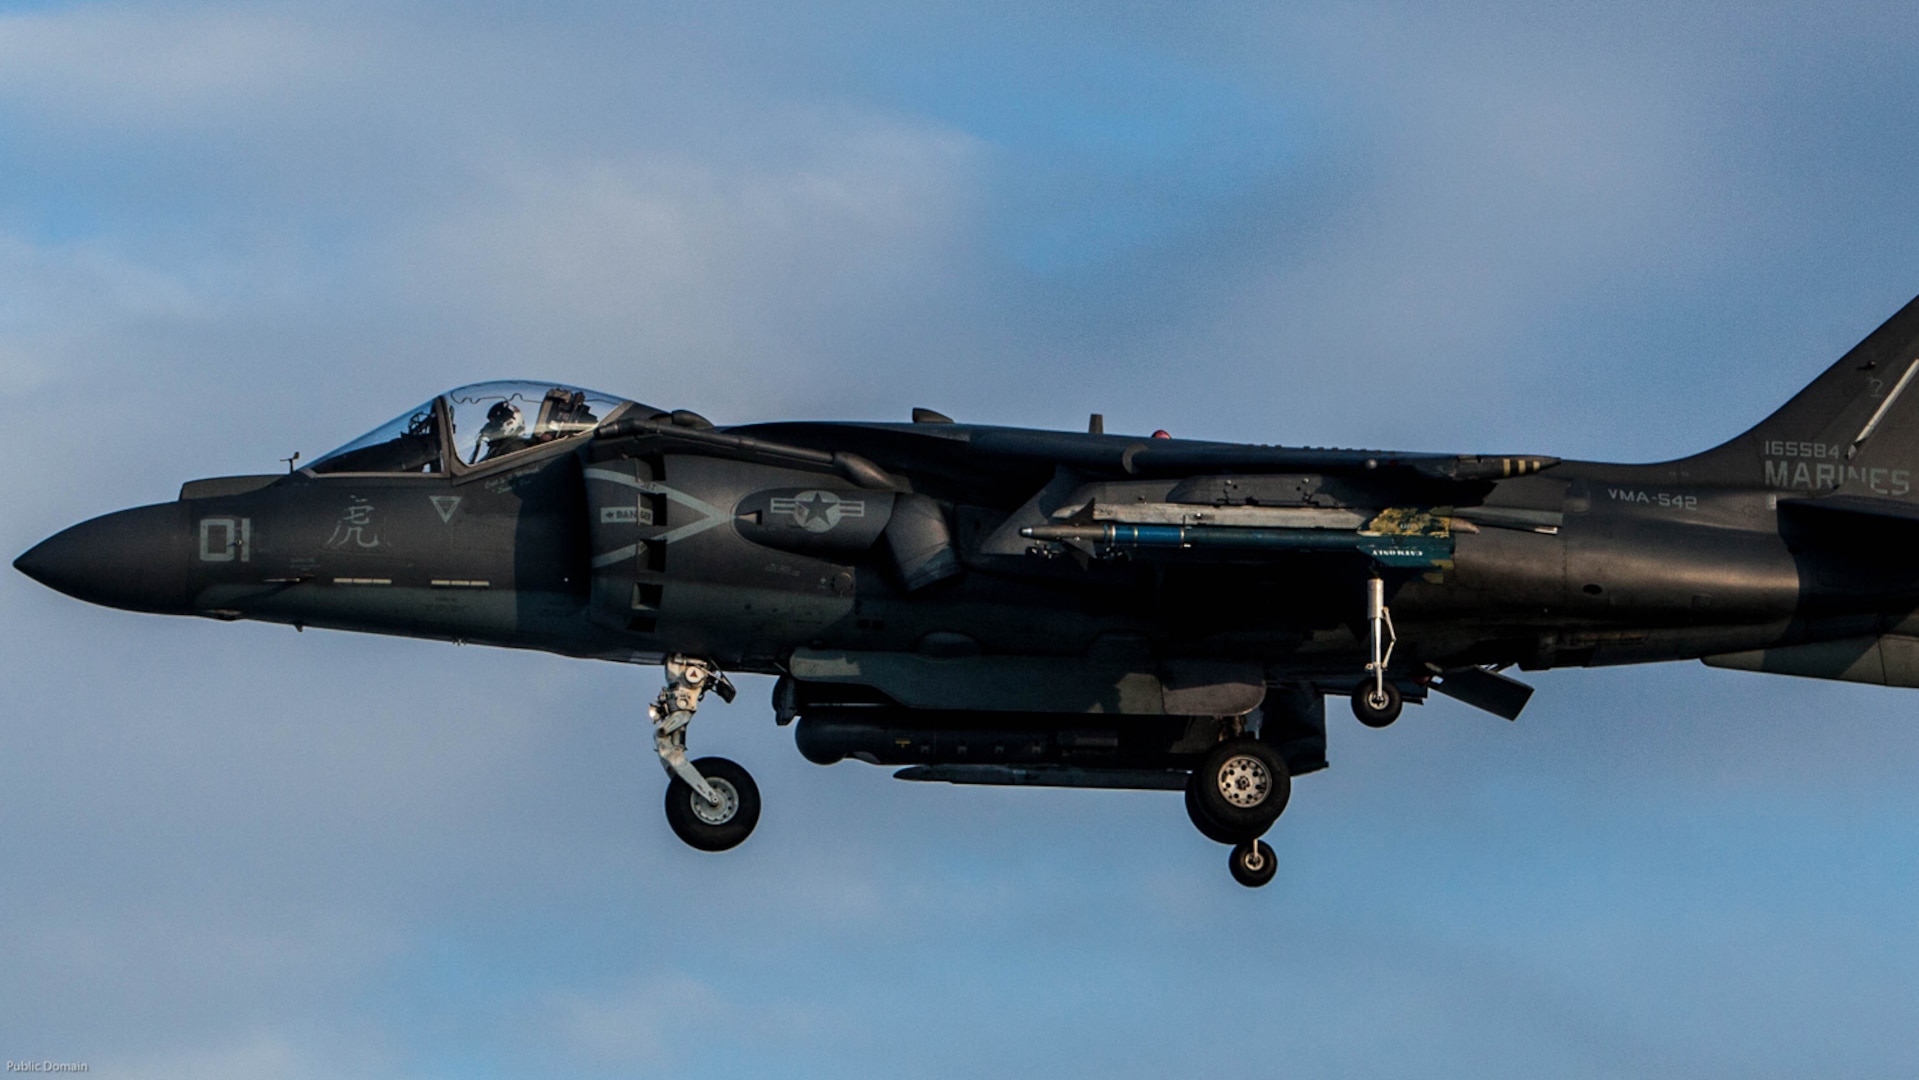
(992, 605)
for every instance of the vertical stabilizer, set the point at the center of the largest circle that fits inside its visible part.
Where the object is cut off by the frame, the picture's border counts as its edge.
(1854, 429)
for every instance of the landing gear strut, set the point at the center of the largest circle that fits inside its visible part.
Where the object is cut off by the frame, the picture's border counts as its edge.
(1376, 701)
(712, 803)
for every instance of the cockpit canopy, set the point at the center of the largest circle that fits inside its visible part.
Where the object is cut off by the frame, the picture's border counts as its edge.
(474, 425)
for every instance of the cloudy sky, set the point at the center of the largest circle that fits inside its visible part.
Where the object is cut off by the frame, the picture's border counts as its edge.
(233, 231)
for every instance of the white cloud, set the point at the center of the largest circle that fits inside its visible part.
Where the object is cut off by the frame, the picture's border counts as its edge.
(68, 309)
(640, 1025)
(1473, 185)
(264, 1055)
(704, 269)
(137, 69)
(667, 1020)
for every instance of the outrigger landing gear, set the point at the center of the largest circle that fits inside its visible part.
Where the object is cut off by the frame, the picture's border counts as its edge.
(1238, 791)
(1376, 701)
(712, 803)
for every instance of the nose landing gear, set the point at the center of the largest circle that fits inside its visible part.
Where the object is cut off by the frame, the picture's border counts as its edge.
(712, 804)
(714, 826)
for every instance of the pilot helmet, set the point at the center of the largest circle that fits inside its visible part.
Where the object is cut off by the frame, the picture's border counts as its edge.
(504, 418)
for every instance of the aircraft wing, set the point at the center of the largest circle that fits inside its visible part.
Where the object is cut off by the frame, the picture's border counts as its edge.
(963, 448)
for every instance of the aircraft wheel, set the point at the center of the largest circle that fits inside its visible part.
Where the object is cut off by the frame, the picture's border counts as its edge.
(708, 827)
(1210, 829)
(1253, 863)
(1241, 787)
(1373, 709)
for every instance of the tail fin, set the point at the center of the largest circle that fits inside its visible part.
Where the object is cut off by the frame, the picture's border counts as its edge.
(1854, 429)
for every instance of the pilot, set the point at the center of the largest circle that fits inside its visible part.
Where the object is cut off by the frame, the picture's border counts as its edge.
(504, 432)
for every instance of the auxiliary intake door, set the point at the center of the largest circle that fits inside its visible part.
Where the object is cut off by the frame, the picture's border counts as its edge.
(626, 516)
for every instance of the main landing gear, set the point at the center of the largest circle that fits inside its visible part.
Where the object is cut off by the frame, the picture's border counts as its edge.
(712, 803)
(1238, 791)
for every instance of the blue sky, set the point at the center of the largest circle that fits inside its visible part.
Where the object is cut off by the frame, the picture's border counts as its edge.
(232, 231)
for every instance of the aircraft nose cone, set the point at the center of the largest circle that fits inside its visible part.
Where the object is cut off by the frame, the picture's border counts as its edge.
(134, 559)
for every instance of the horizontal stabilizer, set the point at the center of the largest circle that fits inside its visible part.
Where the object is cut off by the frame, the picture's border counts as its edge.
(1483, 689)
(1861, 527)
(1853, 511)
(1892, 660)
(1048, 776)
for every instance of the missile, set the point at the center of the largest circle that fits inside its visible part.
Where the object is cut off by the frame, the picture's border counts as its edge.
(1386, 550)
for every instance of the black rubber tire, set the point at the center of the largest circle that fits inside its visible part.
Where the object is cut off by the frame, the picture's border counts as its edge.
(690, 818)
(1242, 787)
(1253, 864)
(1376, 716)
(1210, 829)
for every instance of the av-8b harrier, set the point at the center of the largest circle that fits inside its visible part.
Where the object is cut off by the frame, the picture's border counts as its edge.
(992, 605)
